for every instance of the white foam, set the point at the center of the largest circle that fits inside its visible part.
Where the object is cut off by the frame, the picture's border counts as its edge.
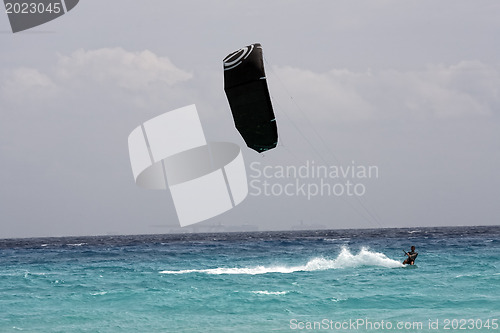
(345, 259)
(265, 292)
(26, 274)
(337, 299)
(244, 270)
(364, 258)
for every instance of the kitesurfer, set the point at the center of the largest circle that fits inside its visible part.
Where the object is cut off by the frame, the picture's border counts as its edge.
(412, 255)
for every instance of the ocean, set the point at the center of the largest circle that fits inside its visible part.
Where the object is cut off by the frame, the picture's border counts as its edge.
(288, 281)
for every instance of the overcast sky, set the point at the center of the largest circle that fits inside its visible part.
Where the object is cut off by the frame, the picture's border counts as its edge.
(411, 87)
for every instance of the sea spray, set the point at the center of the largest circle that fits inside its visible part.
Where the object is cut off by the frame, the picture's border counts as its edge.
(345, 259)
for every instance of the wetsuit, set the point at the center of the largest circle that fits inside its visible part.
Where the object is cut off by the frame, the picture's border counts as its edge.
(412, 255)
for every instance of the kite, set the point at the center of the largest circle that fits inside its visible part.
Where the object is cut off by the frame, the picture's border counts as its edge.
(248, 96)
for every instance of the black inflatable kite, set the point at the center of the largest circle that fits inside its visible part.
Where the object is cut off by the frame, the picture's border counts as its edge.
(248, 96)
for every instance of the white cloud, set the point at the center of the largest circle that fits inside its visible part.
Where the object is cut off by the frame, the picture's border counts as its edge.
(24, 84)
(100, 70)
(332, 94)
(465, 89)
(140, 79)
(438, 91)
(144, 79)
(116, 66)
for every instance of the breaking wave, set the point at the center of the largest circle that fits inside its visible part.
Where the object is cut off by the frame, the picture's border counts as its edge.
(345, 259)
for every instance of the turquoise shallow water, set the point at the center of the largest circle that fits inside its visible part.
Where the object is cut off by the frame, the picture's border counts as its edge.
(345, 281)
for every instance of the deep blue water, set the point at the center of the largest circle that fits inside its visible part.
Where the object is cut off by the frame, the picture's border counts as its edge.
(254, 282)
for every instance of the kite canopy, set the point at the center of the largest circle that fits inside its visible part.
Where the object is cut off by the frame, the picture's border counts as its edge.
(248, 96)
